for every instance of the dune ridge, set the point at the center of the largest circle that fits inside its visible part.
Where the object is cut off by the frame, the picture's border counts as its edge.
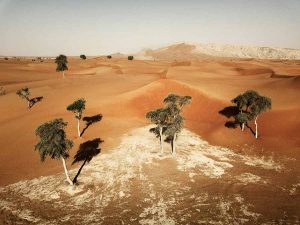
(188, 51)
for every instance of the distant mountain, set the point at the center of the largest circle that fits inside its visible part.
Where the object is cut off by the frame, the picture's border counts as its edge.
(186, 51)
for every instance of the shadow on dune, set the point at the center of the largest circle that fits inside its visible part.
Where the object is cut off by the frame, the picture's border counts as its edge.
(250, 128)
(89, 120)
(86, 152)
(35, 100)
(231, 124)
(229, 111)
(232, 111)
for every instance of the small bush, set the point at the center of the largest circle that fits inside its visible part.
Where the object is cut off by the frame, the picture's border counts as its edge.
(5, 58)
(2, 91)
(82, 56)
(109, 57)
(130, 57)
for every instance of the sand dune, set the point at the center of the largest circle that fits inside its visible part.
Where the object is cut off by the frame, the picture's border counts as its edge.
(130, 173)
(189, 51)
(123, 91)
(124, 98)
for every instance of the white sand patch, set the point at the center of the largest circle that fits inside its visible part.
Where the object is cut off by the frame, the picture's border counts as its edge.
(249, 178)
(292, 189)
(107, 181)
(267, 163)
(213, 161)
(21, 213)
(157, 214)
(245, 208)
(241, 216)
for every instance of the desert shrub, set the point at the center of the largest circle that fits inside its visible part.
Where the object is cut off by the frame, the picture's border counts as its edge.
(5, 58)
(2, 91)
(109, 57)
(130, 57)
(82, 56)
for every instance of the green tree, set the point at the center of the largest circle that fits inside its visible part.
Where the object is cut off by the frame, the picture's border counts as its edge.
(86, 152)
(159, 118)
(77, 107)
(174, 104)
(173, 129)
(250, 96)
(53, 142)
(24, 94)
(243, 118)
(260, 105)
(240, 102)
(61, 62)
(83, 57)
(130, 57)
(243, 102)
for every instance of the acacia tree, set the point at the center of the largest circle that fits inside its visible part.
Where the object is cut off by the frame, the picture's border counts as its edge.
(83, 57)
(24, 94)
(243, 102)
(77, 107)
(174, 104)
(86, 152)
(173, 129)
(53, 142)
(243, 118)
(159, 118)
(250, 105)
(260, 105)
(61, 62)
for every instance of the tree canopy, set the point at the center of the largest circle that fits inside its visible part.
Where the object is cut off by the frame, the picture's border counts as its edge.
(82, 56)
(23, 93)
(53, 141)
(250, 104)
(61, 62)
(169, 120)
(77, 107)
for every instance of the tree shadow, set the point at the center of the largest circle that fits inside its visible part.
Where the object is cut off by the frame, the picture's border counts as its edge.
(229, 111)
(35, 100)
(89, 120)
(85, 153)
(232, 111)
(169, 139)
(155, 131)
(232, 124)
(250, 128)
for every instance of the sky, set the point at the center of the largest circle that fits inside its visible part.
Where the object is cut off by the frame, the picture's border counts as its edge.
(98, 27)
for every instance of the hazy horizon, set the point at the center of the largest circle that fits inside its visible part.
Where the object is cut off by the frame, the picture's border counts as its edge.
(39, 28)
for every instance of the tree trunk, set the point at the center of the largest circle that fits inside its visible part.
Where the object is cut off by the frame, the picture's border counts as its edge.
(256, 132)
(79, 171)
(160, 138)
(78, 127)
(64, 74)
(66, 171)
(174, 145)
(243, 124)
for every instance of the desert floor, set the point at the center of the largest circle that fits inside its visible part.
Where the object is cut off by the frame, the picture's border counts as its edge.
(243, 181)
